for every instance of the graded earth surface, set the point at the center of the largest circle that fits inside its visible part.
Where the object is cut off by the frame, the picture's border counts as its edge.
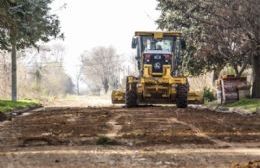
(147, 136)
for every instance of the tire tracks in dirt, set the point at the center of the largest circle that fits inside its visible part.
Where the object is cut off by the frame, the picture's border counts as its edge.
(199, 133)
(116, 128)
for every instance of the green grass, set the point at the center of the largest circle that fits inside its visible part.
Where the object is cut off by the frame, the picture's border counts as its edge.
(7, 105)
(247, 104)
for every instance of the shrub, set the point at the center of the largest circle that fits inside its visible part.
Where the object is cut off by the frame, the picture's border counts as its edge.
(208, 95)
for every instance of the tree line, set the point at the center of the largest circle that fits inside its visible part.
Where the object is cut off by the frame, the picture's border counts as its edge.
(103, 69)
(41, 74)
(219, 33)
(23, 23)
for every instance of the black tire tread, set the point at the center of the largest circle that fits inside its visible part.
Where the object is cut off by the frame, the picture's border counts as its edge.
(182, 96)
(131, 99)
(130, 95)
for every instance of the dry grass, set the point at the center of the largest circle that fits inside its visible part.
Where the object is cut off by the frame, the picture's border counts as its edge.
(198, 83)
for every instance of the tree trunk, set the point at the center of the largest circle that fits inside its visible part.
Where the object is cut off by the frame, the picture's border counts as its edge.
(14, 71)
(256, 77)
(236, 70)
(106, 85)
(216, 74)
(77, 86)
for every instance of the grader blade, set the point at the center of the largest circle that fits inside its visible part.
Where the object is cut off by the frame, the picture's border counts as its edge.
(118, 97)
(195, 98)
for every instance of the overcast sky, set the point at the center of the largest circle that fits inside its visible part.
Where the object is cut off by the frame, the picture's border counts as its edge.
(92, 23)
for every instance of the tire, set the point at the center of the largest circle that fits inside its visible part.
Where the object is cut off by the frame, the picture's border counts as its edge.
(130, 95)
(182, 96)
(131, 99)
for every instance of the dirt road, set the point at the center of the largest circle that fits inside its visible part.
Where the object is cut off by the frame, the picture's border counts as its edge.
(138, 137)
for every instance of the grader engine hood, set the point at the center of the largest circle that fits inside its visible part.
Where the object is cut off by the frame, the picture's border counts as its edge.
(156, 60)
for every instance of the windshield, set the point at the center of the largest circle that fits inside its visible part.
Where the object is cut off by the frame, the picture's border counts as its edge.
(165, 44)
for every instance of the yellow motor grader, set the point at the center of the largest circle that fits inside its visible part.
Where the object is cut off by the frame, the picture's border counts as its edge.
(159, 80)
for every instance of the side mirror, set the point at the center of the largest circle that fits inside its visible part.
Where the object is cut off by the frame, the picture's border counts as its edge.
(183, 44)
(134, 42)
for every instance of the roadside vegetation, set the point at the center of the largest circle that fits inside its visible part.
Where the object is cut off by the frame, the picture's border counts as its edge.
(247, 104)
(27, 60)
(219, 34)
(18, 20)
(7, 105)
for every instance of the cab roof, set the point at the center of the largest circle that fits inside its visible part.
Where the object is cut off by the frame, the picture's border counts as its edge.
(156, 33)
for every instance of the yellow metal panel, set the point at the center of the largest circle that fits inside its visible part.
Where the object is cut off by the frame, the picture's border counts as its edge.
(147, 70)
(149, 80)
(195, 98)
(130, 79)
(158, 35)
(118, 97)
(173, 91)
(167, 70)
(178, 80)
(157, 74)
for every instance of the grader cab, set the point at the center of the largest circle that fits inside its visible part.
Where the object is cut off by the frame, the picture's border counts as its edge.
(159, 81)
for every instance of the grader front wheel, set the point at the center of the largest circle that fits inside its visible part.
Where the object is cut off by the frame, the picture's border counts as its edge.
(130, 95)
(131, 98)
(182, 96)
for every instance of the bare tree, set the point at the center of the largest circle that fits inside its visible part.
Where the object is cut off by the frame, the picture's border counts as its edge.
(79, 76)
(41, 72)
(78, 79)
(101, 66)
